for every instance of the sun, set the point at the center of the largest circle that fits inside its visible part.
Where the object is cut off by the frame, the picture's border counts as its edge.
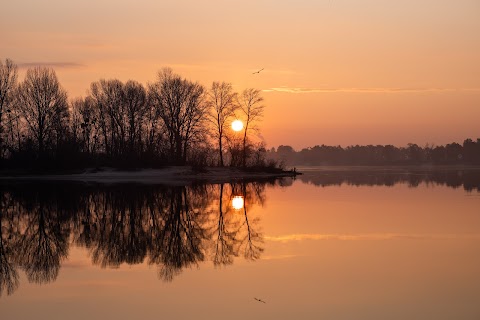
(237, 125)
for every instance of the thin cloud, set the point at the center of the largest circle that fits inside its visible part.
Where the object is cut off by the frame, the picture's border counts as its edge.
(370, 236)
(363, 90)
(63, 65)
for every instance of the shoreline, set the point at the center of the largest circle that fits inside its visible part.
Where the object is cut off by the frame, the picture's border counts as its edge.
(186, 175)
(173, 175)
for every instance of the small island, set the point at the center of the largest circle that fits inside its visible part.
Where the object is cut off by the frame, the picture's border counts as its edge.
(173, 131)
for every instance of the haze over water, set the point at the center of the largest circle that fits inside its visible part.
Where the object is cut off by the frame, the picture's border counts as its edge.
(343, 244)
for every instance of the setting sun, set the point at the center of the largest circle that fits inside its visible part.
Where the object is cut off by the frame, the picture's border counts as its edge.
(237, 125)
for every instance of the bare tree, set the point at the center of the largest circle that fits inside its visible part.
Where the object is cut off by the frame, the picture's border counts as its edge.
(136, 113)
(8, 79)
(250, 104)
(83, 124)
(108, 97)
(152, 134)
(76, 119)
(222, 105)
(181, 107)
(42, 105)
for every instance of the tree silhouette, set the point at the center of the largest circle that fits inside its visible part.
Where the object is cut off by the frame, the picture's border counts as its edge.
(180, 105)
(84, 125)
(453, 153)
(222, 105)
(8, 79)
(250, 104)
(136, 114)
(119, 124)
(42, 105)
(108, 97)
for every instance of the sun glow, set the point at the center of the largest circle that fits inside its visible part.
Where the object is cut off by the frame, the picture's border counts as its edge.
(237, 125)
(237, 202)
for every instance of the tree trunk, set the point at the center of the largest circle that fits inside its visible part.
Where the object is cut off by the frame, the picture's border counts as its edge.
(220, 150)
(244, 160)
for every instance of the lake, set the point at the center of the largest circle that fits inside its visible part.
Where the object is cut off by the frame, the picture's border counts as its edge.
(342, 243)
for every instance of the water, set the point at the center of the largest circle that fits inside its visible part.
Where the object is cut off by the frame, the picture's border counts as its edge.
(343, 244)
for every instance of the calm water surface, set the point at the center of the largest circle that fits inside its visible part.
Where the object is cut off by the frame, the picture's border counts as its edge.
(343, 244)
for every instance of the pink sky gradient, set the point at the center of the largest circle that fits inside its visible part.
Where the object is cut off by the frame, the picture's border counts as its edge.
(336, 72)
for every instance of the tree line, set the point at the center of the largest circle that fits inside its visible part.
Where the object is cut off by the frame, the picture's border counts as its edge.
(170, 121)
(454, 153)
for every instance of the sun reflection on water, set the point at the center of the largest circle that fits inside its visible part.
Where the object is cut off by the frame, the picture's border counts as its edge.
(237, 202)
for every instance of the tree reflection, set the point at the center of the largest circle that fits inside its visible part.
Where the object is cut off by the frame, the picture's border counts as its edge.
(178, 242)
(235, 232)
(172, 228)
(469, 179)
(9, 281)
(253, 239)
(225, 235)
(119, 234)
(8, 271)
(44, 243)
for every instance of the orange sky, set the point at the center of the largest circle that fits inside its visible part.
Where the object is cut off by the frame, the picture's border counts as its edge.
(336, 71)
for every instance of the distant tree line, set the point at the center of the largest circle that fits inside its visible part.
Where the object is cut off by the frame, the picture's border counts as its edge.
(467, 153)
(170, 121)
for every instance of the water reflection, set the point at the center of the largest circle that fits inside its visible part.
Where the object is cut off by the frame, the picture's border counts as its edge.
(169, 227)
(468, 178)
(237, 202)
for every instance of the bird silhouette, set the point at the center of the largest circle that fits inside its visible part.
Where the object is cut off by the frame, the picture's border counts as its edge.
(258, 71)
(259, 300)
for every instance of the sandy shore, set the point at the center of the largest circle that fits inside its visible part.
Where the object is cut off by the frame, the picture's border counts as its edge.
(166, 176)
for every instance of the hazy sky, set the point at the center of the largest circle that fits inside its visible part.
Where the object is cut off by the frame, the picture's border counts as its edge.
(336, 71)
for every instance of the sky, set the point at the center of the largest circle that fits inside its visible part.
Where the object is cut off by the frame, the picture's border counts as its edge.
(336, 72)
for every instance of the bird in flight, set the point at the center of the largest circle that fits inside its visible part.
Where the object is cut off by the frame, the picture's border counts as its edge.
(258, 71)
(259, 300)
